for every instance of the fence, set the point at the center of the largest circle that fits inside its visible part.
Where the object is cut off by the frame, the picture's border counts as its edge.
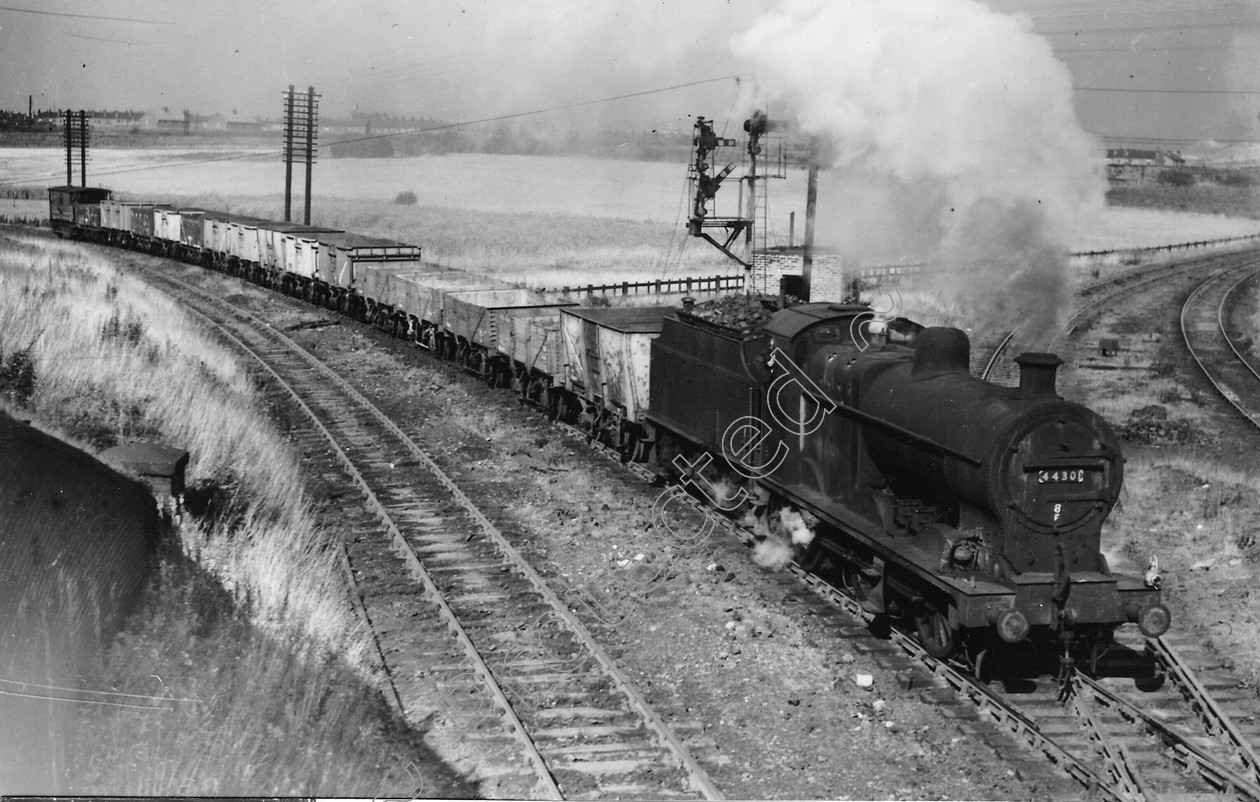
(661, 286)
(888, 272)
(1207, 243)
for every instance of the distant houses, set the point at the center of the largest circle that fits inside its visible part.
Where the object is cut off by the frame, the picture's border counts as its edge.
(1134, 164)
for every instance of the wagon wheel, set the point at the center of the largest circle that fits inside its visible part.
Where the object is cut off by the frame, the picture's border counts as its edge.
(550, 402)
(500, 376)
(642, 447)
(935, 634)
(593, 424)
(630, 447)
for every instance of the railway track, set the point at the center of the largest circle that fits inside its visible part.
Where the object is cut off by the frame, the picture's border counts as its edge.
(1206, 331)
(1162, 716)
(1165, 732)
(1167, 718)
(999, 365)
(1108, 736)
(464, 626)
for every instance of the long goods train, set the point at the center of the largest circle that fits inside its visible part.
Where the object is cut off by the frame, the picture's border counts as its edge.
(970, 509)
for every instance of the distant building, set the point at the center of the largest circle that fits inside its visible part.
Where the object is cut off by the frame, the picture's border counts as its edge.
(1135, 164)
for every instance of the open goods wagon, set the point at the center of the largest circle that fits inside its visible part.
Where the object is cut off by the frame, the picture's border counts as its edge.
(400, 295)
(607, 367)
(483, 317)
(342, 257)
(116, 220)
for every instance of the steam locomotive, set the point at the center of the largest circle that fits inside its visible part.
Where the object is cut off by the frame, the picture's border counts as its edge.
(972, 509)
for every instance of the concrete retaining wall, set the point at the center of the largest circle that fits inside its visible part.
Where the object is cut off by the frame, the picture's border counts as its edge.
(77, 542)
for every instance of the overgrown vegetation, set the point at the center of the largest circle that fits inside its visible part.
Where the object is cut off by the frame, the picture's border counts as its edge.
(1200, 519)
(17, 376)
(1231, 195)
(251, 617)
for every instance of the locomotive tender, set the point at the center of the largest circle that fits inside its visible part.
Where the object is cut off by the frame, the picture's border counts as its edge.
(973, 509)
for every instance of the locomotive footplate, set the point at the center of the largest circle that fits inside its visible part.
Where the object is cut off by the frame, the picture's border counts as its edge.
(1091, 598)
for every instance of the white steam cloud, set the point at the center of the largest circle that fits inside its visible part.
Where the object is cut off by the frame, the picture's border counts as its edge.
(784, 531)
(951, 129)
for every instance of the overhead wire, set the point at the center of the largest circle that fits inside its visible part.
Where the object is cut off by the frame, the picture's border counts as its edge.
(1137, 91)
(441, 127)
(100, 17)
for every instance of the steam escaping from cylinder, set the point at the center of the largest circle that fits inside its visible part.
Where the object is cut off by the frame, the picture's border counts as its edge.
(787, 530)
(952, 140)
(772, 554)
(793, 524)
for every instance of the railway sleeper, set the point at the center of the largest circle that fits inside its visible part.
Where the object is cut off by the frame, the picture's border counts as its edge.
(594, 731)
(609, 767)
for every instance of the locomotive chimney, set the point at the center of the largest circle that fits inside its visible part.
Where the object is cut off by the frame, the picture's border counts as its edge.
(941, 349)
(1036, 374)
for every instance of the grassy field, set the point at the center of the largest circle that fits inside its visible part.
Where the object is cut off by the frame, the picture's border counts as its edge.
(1202, 198)
(249, 617)
(554, 220)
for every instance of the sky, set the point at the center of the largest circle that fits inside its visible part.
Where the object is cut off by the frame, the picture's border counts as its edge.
(1142, 72)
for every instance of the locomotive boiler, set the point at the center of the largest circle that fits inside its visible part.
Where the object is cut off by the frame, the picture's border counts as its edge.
(971, 508)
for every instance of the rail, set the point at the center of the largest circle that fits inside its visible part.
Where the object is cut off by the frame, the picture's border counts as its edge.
(1210, 713)
(1183, 749)
(1202, 346)
(270, 348)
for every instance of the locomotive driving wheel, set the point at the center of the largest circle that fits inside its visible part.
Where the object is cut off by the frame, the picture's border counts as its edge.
(936, 636)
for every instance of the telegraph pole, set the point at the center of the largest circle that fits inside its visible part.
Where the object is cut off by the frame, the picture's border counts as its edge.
(300, 122)
(288, 154)
(76, 135)
(83, 144)
(69, 148)
(311, 129)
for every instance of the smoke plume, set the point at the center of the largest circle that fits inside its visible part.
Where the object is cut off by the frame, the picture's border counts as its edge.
(952, 129)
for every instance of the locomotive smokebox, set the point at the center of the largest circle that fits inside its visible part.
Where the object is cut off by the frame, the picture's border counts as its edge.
(1037, 374)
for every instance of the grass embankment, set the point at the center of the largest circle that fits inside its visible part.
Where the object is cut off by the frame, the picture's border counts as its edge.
(248, 615)
(1202, 521)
